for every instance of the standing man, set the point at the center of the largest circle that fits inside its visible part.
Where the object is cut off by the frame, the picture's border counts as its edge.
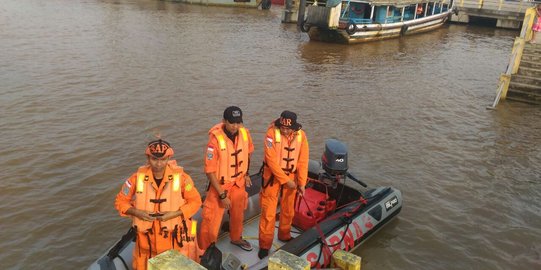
(160, 198)
(286, 169)
(227, 162)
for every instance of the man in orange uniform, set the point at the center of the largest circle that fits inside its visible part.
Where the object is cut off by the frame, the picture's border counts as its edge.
(227, 162)
(160, 198)
(419, 10)
(286, 169)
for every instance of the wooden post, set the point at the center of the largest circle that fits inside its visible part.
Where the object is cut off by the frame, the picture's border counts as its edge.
(300, 17)
(505, 80)
(519, 49)
(529, 17)
(480, 4)
(503, 85)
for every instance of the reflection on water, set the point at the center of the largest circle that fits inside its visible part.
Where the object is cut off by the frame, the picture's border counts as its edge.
(85, 85)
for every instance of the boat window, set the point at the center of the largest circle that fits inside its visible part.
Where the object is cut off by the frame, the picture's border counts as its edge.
(387, 14)
(409, 12)
(420, 10)
(394, 14)
(442, 7)
(358, 12)
(380, 13)
(437, 9)
(430, 9)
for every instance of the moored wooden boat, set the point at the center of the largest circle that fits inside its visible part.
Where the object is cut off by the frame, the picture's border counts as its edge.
(265, 4)
(356, 21)
(332, 215)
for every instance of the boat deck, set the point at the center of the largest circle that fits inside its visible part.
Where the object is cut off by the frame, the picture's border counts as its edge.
(251, 234)
(384, 204)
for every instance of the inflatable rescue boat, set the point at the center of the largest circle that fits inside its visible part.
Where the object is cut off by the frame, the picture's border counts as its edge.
(333, 214)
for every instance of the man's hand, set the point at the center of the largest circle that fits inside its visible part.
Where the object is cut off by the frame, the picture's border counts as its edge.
(291, 185)
(167, 215)
(301, 190)
(248, 181)
(226, 203)
(140, 214)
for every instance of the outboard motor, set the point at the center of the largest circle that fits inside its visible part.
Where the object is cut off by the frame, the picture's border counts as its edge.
(335, 157)
(335, 161)
(319, 199)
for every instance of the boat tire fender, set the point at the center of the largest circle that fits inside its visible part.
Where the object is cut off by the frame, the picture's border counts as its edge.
(305, 27)
(351, 28)
(266, 4)
(455, 11)
(403, 30)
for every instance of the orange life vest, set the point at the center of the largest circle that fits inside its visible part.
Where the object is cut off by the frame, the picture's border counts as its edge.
(287, 152)
(169, 199)
(233, 163)
(419, 9)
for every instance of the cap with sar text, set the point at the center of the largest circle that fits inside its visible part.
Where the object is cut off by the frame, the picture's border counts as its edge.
(159, 149)
(288, 119)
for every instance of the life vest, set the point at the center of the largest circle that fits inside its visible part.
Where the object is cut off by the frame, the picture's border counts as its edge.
(419, 10)
(233, 163)
(149, 199)
(287, 152)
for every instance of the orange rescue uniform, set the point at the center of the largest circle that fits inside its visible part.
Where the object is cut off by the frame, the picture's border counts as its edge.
(286, 158)
(229, 161)
(419, 9)
(176, 192)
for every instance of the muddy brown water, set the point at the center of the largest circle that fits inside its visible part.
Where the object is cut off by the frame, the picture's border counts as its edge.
(84, 85)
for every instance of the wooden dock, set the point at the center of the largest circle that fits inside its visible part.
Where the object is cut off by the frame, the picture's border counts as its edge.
(508, 14)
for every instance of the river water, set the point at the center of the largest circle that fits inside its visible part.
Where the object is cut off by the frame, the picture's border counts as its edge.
(85, 84)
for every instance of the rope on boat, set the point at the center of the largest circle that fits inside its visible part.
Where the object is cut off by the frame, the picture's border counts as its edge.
(346, 217)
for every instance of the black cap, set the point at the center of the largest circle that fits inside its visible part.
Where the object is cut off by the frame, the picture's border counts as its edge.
(233, 114)
(288, 119)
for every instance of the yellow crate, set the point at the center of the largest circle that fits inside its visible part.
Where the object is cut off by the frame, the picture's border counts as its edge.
(172, 260)
(345, 260)
(282, 260)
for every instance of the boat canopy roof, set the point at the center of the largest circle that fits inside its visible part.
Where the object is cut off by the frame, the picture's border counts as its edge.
(396, 3)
